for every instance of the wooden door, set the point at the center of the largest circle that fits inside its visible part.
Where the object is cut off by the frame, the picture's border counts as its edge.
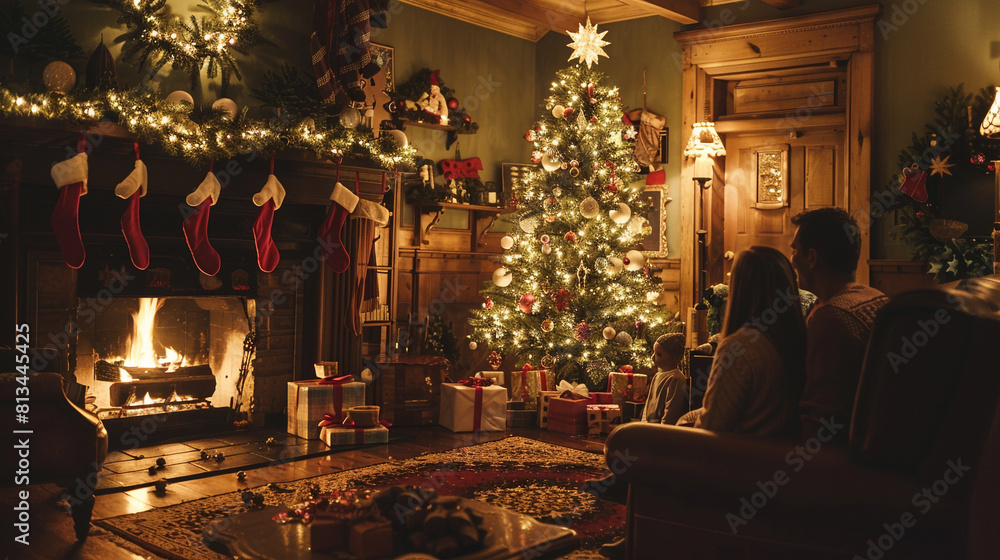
(770, 178)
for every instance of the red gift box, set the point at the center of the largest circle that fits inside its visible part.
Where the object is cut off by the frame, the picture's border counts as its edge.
(600, 398)
(568, 416)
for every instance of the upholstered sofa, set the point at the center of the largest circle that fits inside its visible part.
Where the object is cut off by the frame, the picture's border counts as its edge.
(67, 445)
(919, 479)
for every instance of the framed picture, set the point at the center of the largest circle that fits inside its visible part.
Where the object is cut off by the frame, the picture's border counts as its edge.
(770, 177)
(655, 198)
(511, 174)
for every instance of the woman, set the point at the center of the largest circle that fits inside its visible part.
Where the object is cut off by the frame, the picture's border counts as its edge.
(759, 367)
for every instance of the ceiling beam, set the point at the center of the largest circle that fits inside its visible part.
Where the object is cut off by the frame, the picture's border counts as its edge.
(681, 11)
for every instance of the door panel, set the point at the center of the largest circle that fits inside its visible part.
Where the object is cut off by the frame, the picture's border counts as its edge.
(812, 177)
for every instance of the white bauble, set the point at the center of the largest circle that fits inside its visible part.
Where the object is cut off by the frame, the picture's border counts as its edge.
(227, 105)
(473, 345)
(546, 248)
(528, 224)
(502, 277)
(615, 265)
(308, 124)
(58, 77)
(180, 96)
(623, 338)
(589, 208)
(652, 296)
(399, 137)
(506, 242)
(636, 260)
(620, 215)
(635, 224)
(558, 111)
(609, 332)
(550, 163)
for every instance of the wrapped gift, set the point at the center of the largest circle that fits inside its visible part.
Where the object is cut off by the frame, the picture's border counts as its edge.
(328, 533)
(473, 405)
(632, 411)
(527, 384)
(601, 398)
(371, 539)
(543, 407)
(626, 386)
(496, 376)
(326, 369)
(568, 415)
(521, 418)
(308, 401)
(515, 405)
(334, 435)
(602, 418)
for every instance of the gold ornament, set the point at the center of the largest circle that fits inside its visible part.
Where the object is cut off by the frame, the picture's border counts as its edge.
(495, 360)
(940, 166)
(59, 77)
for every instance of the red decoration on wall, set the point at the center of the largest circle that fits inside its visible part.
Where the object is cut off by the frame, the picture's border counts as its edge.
(461, 168)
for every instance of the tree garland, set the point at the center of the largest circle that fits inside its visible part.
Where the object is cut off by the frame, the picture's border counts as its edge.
(951, 140)
(201, 136)
(207, 43)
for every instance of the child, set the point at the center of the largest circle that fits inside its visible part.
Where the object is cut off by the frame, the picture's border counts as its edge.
(667, 400)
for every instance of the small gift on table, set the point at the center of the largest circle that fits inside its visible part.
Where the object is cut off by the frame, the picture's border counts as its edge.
(602, 418)
(473, 405)
(568, 411)
(522, 418)
(361, 427)
(309, 401)
(527, 384)
(601, 397)
(371, 539)
(624, 385)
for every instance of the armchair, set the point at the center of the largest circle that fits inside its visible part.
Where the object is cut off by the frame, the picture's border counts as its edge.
(66, 446)
(917, 480)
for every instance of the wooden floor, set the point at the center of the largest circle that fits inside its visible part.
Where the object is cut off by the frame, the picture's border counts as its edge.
(51, 535)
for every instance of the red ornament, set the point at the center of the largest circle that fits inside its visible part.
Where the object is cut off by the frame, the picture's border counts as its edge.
(593, 119)
(590, 91)
(568, 112)
(536, 156)
(612, 187)
(452, 103)
(570, 237)
(466, 118)
(488, 304)
(529, 136)
(526, 303)
(625, 260)
(562, 297)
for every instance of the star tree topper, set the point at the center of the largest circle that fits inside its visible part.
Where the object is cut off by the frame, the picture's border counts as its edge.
(587, 43)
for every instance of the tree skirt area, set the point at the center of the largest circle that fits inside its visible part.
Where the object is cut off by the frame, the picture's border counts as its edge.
(533, 478)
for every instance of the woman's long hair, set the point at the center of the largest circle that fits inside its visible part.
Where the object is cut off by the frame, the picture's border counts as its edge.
(764, 294)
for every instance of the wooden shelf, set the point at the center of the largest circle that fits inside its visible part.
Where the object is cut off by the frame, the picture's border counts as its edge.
(428, 207)
(432, 126)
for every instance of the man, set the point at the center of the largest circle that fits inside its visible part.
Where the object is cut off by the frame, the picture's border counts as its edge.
(825, 252)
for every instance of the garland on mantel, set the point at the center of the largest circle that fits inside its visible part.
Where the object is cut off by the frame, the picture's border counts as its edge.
(202, 136)
(951, 140)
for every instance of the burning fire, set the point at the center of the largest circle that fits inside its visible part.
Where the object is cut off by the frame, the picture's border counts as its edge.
(141, 351)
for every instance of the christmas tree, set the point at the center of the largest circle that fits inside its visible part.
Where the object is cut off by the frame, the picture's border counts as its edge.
(573, 291)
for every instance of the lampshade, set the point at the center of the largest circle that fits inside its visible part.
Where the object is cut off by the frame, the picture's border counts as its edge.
(991, 124)
(704, 141)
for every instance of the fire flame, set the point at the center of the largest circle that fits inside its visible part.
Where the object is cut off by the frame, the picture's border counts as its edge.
(141, 351)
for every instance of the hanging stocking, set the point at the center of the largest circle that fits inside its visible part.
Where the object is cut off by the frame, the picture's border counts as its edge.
(370, 215)
(269, 199)
(337, 258)
(647, 144)
(196, 225)
(70, 177)
(914, 183)
(132, 189)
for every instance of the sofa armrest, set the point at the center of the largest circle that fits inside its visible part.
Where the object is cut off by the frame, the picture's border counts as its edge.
(710, 470)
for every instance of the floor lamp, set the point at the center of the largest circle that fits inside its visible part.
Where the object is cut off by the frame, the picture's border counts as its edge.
(703, 145)
(991, 129)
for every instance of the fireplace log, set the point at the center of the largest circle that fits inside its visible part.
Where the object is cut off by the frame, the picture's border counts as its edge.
(200, 387)
(105, 371)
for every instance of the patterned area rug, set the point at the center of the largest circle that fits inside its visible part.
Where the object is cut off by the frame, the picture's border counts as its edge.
(530, 477)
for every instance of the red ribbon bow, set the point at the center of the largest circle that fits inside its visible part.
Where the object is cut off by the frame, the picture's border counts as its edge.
(526, 368)
(476, 382)
(625, 369)
(331, 420)
(336, 380)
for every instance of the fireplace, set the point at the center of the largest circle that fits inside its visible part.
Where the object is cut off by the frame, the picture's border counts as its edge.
(162, 355)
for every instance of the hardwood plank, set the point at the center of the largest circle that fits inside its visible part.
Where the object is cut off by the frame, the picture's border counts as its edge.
(119, 503)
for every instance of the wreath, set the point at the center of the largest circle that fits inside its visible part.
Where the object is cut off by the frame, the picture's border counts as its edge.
(949, 144)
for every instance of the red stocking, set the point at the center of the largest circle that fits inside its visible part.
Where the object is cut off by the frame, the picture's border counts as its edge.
(132, 189)
(71, 178)
(269, 199)
(337, 257)
(196, 226)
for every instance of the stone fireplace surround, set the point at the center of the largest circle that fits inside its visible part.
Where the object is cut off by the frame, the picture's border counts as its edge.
(294, 305)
